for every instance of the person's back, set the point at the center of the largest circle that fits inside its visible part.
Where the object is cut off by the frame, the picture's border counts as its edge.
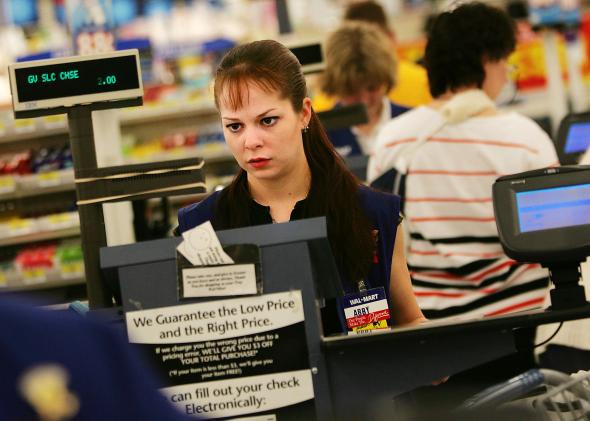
(454, 254)
(455, 257)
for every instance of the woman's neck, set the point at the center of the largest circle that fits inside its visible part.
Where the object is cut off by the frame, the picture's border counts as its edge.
(282, 194)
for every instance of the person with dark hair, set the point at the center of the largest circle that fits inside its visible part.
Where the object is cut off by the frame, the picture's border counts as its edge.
(289, 170)
(443, 158)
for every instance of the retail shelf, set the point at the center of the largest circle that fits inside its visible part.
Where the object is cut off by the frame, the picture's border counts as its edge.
(46, 190)
(39, 128)
(154, 113)
(40, 236)
(14, 136)
(59, 283)
(216, 154)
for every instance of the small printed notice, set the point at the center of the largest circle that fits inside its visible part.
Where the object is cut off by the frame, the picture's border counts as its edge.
(367, 311)
(201, 247)
(229, 358)
(211, 281)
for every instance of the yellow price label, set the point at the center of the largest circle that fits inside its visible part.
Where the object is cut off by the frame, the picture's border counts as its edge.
(58, 218)
(46, 179)
(3, 279)
(72, 269)
(54, 120)
(34, 275)
(24, 125)
(7, 184)
(19, 224)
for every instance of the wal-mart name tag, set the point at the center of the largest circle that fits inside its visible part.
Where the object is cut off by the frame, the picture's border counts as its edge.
(366, 311)
(212, 281)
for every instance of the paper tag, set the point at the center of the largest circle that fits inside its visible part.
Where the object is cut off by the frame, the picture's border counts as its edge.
(366, 311)
(202, 247)
(219, 281)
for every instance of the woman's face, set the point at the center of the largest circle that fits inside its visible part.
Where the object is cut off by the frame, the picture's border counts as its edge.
(496, 76)
(264, 134)
(371, 97)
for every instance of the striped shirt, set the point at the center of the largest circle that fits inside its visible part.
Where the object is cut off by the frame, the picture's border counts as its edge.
(454, 254)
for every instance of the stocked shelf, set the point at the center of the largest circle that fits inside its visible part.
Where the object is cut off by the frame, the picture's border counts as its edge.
(59, 283)
(40, 236)
(33, 128)
(15, 187)
(155, 113)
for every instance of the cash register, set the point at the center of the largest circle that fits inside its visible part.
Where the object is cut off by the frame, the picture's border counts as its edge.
(543, 216)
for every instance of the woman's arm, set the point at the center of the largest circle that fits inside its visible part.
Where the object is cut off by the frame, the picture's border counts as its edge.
(405, 308)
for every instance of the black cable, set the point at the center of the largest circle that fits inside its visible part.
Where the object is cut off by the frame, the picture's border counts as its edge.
(550, 337)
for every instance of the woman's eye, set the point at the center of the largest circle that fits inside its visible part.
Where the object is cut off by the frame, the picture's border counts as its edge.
(269, 121)
(234, 127)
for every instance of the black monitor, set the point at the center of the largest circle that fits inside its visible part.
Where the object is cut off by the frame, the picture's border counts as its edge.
(573, 138)
(310, 55)
(543, 216)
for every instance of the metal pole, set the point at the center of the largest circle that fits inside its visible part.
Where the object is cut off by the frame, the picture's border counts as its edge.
(92, 228)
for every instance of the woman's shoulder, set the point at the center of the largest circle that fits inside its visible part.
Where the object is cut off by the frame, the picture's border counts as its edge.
(195, 214)
(377, 202)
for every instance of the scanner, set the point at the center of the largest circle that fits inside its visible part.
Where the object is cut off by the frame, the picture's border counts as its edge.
(543, 216)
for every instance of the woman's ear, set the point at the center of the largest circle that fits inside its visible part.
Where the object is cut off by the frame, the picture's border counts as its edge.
(305, 112)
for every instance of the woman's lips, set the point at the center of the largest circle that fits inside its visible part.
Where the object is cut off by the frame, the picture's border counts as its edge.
(259, 162)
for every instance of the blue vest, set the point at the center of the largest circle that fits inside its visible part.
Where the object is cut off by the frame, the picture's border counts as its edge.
(346, 142)
(382, 209)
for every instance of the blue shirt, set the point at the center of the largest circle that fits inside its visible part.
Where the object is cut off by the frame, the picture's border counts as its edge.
(103, 372)
(346, 142)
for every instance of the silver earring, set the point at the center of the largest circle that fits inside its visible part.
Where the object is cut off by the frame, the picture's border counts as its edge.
(305, 129)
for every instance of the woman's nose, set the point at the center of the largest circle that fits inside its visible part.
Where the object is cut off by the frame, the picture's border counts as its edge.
(252, 139)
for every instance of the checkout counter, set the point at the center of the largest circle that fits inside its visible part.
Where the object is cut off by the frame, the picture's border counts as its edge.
(543, 216)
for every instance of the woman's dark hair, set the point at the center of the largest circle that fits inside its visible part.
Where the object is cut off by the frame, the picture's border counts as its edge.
(460, 40)
(334, 189)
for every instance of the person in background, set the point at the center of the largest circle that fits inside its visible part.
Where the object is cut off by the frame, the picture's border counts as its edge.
(360, 68)
(289, 170)
(59, 366)
(443, 158)
(411, 88)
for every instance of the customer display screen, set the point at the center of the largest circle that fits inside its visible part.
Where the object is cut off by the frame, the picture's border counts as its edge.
(308, 54)
(578, 138)
(77, 78)
(556, 207)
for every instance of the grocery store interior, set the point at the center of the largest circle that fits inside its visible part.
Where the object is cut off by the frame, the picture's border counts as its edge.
(180, 43)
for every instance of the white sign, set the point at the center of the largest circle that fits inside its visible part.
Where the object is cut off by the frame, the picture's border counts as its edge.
(239, 396)
(216, 281)
(215, 320)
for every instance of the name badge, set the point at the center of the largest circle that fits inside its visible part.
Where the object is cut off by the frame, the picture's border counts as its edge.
(366, 311)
